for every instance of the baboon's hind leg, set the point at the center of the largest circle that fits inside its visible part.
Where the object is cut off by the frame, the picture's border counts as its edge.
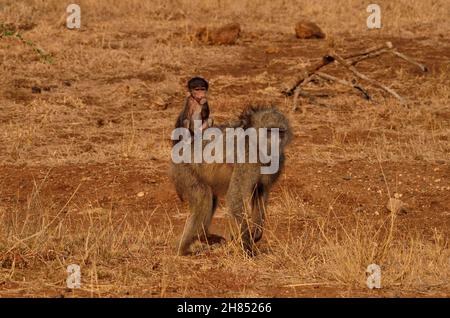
(239, 199)
(259, 200)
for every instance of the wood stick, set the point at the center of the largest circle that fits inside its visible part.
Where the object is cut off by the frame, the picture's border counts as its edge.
(386, 48)
(368, 51)
(298, 92)
(344, 82)
(360, 58)
(293, 86)
(352, 69)
(312, 98)
(295, 106)
(410, 60)
(289, 87)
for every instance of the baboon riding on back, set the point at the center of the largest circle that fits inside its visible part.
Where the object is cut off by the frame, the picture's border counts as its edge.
(245, 184)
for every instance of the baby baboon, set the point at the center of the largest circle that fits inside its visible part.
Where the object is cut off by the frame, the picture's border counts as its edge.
(196, 105)
(245, 188)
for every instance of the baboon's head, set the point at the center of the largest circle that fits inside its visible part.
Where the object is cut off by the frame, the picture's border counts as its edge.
(267, 117)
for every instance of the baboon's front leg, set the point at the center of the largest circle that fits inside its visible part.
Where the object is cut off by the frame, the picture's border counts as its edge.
(209, 238)
(201, 205)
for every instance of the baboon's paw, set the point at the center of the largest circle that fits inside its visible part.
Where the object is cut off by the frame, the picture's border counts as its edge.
(184, 253)
(213, 239)
(257, 235)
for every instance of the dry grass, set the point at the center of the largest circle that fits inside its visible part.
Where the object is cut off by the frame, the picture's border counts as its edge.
(73, 157)
(124, 253)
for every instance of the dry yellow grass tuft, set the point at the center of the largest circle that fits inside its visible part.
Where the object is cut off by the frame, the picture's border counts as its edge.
(85, 123)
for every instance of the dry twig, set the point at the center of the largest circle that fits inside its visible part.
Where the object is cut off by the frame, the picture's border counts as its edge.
(351, 68)
(344, 82)
(289, 87)
(349, 62)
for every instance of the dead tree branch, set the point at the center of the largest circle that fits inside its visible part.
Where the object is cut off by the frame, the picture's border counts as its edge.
(344, 82)
(410, 60)
(295, 86)
(289, 87)
(352, 69)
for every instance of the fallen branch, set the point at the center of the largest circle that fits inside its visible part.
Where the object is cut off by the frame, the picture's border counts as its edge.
(349, 62)
(410, 60)
(311, 98)
(358, 59)
(289, 87)
(352, 69)
(369, 51)
(344, 82)
(297, 93)
(386, 48)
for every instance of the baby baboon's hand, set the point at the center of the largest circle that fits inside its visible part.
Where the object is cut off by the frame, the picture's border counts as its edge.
(203, 101)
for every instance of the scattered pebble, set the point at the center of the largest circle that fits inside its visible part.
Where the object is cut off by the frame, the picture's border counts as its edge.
(225, 35)
(395, 205)
(140, 194)
(36, 90)
(308, 30)
(272, 50)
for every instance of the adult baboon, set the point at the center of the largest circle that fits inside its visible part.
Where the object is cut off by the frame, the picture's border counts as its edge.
(245, 188)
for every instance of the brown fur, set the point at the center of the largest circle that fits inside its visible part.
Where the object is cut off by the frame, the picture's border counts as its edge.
(242, 184)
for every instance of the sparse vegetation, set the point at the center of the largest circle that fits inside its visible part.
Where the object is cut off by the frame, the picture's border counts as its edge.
(84, 158)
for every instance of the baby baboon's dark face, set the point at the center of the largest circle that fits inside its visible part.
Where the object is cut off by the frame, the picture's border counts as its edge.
(199, 94)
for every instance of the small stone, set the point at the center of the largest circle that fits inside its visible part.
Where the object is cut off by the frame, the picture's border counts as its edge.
(101, 122)
(347, 178)
(359, 209)
(272, 50)
(225, 35)
(395, 205)
(140, 194)
(36, 90)
(308, 30)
